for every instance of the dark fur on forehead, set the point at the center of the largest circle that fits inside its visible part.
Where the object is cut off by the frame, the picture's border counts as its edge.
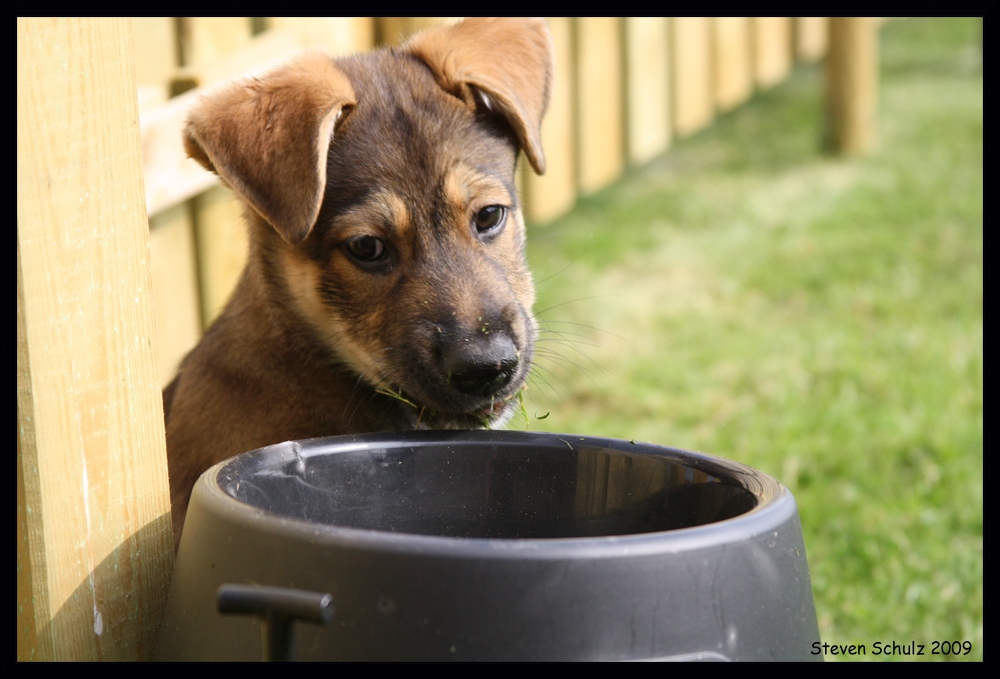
(405, 132)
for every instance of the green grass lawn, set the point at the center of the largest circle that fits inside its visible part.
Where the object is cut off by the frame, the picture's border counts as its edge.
(818, 318)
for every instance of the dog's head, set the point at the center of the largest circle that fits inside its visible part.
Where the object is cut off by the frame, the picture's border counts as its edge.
(383, 203)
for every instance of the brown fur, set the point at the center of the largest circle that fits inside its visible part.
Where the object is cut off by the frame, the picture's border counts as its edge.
(380, 293)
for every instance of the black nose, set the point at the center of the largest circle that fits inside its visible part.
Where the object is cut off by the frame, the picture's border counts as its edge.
(481, 365)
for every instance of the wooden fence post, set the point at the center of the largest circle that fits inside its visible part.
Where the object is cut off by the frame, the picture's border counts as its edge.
(852, 84)
(691, 78)
(732, 61)
(647, 87)
(554, 193)
(600, 130)
(94, 544)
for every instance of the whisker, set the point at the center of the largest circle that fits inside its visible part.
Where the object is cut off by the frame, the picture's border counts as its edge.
(572, 301)
(572, 365)
(574, 340)
(547, 322)
(568, 364)
(542, 382)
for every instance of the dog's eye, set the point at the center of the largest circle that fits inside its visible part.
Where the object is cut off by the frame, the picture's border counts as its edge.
(490, 220)
(366, 249)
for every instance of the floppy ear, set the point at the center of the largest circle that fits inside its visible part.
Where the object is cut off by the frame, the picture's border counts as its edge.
(268, 139)
(509, 60)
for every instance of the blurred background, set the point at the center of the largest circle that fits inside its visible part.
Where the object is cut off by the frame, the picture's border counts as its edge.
(817, 316)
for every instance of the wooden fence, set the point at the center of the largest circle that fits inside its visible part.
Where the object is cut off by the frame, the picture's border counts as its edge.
(102, 324)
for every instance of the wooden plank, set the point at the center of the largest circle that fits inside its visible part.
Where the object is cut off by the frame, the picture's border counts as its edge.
(205, 39)
(772, 49)
(647, 60)
(156, 57)
(733, 58)
(252, 57)
(553, 194)
(176, 305)
(693, 100)
(176, 300)
(810, 38)
(97, 544)
(171, 177)
(31, 577)
(600, 124)
(852, 84)
(337, 35)
(222, 248)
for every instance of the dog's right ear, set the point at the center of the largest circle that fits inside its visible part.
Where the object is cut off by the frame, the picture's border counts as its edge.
(510, 60)
(268, 139)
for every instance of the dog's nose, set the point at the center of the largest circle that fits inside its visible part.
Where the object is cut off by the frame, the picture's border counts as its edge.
(481, 366)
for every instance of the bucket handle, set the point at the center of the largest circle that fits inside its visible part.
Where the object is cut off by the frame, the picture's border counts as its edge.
(278, 608)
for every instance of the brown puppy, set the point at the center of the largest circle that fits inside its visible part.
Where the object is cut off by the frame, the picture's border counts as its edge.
(386, 287)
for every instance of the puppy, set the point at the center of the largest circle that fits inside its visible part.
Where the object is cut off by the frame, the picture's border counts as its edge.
(386, 287)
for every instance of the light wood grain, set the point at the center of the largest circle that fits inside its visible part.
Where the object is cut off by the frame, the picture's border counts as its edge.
(772, 49)
(156, 57)
(647, 58)
(811, 37)
(553, 194)
(600, 124)
(223, 245)
(170, 176)
(732, 61)
(95, 549)
(175, 287)
(337, 35)
(852, 84)
(691, 59)
(206, 39)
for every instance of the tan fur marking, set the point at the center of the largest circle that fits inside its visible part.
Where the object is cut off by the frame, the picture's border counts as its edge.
(466, 187)
(303, 276)
(369, 218)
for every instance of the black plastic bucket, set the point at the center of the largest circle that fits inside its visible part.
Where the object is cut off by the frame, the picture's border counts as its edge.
(492, 546)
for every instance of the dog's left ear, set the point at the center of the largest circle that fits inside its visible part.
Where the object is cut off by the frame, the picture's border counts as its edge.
(268, 139)
(509, 60)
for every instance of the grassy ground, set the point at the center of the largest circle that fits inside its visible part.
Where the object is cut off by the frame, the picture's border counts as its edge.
(817, 318)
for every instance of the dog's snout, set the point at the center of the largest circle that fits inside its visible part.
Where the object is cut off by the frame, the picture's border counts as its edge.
(481, 365)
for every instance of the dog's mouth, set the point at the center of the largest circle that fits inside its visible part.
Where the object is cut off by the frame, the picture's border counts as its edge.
(493, 414)
(496, 411)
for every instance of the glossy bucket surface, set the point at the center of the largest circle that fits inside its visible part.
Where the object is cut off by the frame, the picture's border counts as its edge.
(497, 546)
